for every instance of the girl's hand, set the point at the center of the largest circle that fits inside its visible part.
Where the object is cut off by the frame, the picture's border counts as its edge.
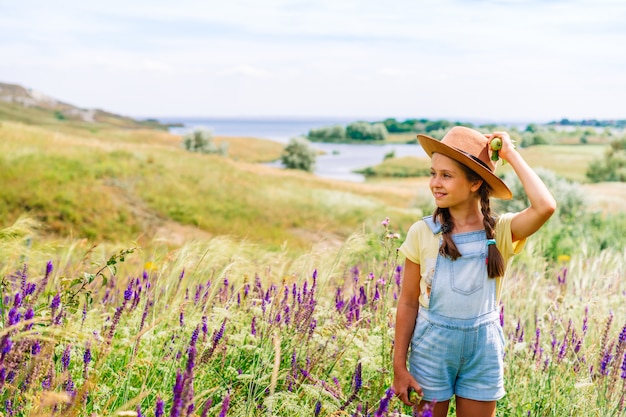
(507, 144)
(405, 387)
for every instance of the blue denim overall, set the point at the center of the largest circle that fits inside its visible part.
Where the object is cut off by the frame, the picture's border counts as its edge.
(457, 346)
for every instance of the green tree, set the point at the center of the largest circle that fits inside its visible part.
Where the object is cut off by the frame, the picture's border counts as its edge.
(366, 131)
(201, 141)
(612, 167)
(298, 154)
(328, 133)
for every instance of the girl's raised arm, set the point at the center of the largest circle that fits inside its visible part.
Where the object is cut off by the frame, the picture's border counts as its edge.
(542, 203)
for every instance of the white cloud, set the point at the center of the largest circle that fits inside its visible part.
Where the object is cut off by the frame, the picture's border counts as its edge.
(506, 58)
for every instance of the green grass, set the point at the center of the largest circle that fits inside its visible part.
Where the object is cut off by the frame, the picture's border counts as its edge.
(568, 161)
(407, 166)
(128, 185)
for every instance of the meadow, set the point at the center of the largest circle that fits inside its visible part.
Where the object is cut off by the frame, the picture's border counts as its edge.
(138, 279)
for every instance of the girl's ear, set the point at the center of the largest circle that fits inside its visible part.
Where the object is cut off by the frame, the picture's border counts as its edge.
(476, 185)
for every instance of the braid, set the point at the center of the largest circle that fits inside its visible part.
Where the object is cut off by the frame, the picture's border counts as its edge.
(495, 262)
(447, 248)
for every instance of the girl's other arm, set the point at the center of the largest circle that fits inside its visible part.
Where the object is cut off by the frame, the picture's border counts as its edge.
(408, 305)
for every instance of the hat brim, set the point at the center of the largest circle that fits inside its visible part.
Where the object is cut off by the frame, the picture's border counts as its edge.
(431, 145)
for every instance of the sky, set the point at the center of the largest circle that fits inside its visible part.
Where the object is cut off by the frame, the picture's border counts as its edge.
(488, 60)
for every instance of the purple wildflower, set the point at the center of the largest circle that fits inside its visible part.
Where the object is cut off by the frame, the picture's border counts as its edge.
(69, 386)
(128, 292)
(622, 335)
(312, 327)
(219, 334)
(56, 301)
(384, 403)
(519, 332)
(398, 275)
(623, 367)
(427, 411)
(356, 386)
(14, 316)
(225, 405)
(362, 296)
(158, 412)
(87, 358)
(191, 360)
(36, 348)
(65, 358)
(339, 303)
(385, 222)
(48, 270)
(358, 380)
(17, 300)
(563, 350)
(536, 346)
(194, 336)
(294, 373)
(205, 408)
(604, 363)
(253, 326)
(139, 414)
(29, 289)
(318, 408)
(178, 393)
(6, 346)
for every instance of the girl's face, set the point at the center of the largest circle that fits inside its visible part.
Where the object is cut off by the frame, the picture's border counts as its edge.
(449, 183)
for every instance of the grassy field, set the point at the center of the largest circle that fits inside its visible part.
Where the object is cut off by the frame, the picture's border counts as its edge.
(125, 185)
(140, 279)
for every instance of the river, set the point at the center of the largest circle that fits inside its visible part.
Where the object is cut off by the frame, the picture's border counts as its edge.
(338, 160)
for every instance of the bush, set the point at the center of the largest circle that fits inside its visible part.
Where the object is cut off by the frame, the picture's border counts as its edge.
(328, 133)
(366, 131)
(570, 198)
(299, 154)
(612, 167)
(572, 224)
(201, 141)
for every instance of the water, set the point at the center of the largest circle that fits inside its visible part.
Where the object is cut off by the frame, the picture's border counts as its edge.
(338, 161)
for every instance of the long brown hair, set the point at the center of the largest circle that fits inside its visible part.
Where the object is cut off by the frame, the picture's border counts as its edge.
(495, 262)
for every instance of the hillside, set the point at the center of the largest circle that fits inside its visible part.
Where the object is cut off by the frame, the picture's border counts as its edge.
(28, 106)
(141, 185)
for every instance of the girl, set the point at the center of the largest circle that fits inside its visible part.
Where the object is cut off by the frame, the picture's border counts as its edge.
(455, 260)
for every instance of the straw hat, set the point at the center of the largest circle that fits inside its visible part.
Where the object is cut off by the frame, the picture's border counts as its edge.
(470, 148)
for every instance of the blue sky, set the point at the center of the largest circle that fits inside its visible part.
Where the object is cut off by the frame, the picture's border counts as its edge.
(493, 60)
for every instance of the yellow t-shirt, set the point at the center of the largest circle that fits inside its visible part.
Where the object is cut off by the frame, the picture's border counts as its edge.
(422, 246)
